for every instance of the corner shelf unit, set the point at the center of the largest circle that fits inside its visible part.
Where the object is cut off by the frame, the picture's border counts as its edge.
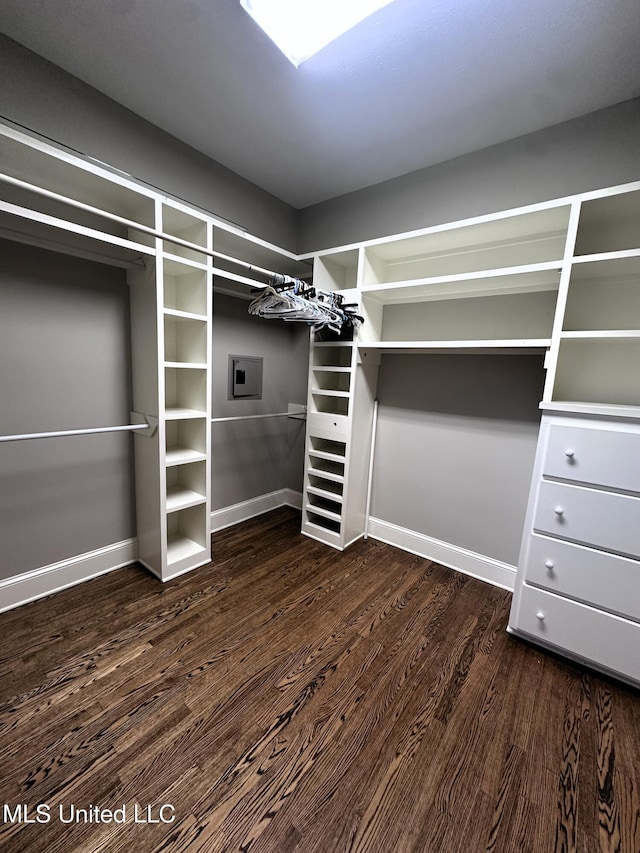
(560, 279)
(58, 200)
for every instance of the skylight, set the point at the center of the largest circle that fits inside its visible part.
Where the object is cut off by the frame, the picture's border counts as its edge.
(301, 28)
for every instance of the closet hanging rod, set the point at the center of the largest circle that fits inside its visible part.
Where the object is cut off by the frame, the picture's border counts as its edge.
(121, 220)
(296, 415)
(32, 435)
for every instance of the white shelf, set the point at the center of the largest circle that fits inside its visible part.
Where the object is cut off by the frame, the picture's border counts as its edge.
(606, 256)
(86, 240)
(184, 315)
(180, 498)
(185, 364)
(321, 534)
(478, 346)
(174, 414)
(176, 265)
(181, 548)
(325, 475)
(332, 457)
(603, 334)
(324, 393)
(323, 493)
(329, 369)
(324, 513)
(604, 409)
(183, 456)
(531, 278)
(502, 242)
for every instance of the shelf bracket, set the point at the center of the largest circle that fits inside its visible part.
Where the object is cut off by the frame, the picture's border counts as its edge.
(297, 411)
(150, 420)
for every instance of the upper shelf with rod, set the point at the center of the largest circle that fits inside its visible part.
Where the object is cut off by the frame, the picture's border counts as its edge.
(61, 200)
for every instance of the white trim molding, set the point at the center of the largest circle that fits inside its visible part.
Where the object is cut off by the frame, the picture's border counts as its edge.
(234, 514)
(468, 562)
(35, 584)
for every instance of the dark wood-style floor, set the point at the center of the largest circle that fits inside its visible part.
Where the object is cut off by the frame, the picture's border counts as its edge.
(292, 698)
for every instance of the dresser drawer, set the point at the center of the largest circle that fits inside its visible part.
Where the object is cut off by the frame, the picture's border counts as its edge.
(602, 457)
(601, 638)
(601, 519)
(606, 580)
(333, 427)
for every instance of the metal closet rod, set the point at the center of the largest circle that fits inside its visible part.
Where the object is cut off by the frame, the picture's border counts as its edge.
(121, 220)
(58, 434)
(297, 415)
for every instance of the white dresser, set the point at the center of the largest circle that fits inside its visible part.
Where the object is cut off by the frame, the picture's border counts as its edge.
(578, 587)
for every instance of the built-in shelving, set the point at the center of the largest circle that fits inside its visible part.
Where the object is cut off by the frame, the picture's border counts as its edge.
(336, 270)
(498, 243)
(183, 456)
(604, 410)
(572, 587)
(560, 279)
(330, 376)
(478, 346)
(521, 279)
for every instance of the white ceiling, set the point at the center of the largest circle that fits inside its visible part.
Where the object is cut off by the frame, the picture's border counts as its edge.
(419, 82)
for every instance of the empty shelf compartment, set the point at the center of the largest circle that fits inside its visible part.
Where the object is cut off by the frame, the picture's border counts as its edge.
(185, 289)
(320, 521)
(185, 340)
(324, 506)
(324, 448)
(499, 243)
(330, 403)
(609, 224)
(332, 356)
(327, 379)
(186, 441)
(319, 485)
(178, 223)
(187, 535)
(186, 486)
(186, 390)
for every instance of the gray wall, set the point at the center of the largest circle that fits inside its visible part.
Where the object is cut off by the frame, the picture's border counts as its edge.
(598, 150)
(455, 446)
(49, 101)
(64, 350)
(64, 347)
(252, 458)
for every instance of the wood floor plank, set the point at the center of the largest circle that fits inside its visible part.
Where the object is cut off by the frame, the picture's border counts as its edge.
(288, 698)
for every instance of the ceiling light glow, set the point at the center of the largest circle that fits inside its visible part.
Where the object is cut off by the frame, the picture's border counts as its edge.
(301, 28)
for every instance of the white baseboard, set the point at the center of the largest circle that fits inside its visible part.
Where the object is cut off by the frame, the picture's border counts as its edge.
(234, 514)
(292, 498)
(49, 579)
(469, 562)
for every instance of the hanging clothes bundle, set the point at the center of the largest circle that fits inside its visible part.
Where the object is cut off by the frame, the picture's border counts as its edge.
(293, 300)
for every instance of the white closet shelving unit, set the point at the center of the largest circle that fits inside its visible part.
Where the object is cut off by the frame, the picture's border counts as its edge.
(560, 278)
(578, 585)
(340, 402)
(487, 285)
(55, 199)
(171, 363)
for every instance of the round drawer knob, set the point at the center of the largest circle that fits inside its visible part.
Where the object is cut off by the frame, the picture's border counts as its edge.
(559, 510)
(569, 453)
(549, 564)
(540, 616)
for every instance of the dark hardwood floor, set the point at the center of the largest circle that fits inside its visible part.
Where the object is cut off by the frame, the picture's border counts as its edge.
(292, 698)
